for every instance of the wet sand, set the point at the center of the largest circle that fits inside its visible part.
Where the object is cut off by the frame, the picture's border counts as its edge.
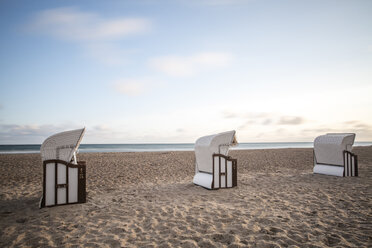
(148, 200)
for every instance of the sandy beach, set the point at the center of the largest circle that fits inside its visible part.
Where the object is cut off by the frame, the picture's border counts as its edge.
(149, 200)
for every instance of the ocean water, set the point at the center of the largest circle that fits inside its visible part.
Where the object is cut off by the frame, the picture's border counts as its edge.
(5, 149)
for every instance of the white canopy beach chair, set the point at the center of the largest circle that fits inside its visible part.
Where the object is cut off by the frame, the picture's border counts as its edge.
(63, 176)
(214, 168)
(333, 156)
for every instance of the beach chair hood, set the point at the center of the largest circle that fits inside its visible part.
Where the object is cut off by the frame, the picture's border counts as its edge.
(206, 146)
(62, 145)
(329, 148)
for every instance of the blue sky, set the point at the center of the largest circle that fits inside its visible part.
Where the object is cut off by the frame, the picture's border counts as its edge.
(170, 71)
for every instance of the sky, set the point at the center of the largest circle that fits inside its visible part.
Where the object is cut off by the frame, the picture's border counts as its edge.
(149, 71)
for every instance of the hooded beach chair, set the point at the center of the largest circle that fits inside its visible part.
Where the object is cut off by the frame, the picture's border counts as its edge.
(214, 169)
(63, 176)
(333, 156)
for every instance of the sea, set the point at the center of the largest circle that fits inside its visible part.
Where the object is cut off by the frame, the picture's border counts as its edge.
(84, 148)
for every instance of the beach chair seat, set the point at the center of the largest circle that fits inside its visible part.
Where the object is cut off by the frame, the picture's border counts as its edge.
(214, 169)
(333, 156)
(64, 178)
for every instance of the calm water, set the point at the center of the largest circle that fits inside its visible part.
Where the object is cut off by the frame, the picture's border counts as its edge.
(160, 147)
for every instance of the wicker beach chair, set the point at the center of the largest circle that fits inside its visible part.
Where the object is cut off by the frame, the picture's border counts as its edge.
(333, 156)
(214, 169)
(63, 176)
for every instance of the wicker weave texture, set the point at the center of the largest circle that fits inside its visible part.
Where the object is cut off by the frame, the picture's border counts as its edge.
(62, 145)
(329, 148)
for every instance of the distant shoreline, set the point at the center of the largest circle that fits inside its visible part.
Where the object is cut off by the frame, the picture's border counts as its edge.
(93, 148)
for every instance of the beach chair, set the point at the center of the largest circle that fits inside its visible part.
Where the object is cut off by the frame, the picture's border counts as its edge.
(63, 176)
(333, 156)
(214, 169)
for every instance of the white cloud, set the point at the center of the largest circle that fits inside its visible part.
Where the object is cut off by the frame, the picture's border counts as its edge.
(98, 36)
(130, 87)
(179, 66)
(106, 53)
(215, 2)
(173, 66)
(222, 2)
(74, 25)
(291, 120)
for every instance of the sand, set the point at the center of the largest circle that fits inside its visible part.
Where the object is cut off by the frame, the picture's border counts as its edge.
(148, 200)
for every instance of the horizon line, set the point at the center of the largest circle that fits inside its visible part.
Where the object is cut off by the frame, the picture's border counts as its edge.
(180, 143)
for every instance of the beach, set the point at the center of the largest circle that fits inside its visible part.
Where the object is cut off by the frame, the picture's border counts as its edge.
(147, 199)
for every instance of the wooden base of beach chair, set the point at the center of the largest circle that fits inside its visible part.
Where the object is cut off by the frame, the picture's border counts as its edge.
(224, 173)
(63, 183)
(348, 169)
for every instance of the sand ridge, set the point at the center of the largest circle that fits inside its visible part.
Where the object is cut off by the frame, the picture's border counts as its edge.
(148, 200)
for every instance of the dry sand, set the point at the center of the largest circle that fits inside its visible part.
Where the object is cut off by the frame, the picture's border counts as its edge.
(148, 200)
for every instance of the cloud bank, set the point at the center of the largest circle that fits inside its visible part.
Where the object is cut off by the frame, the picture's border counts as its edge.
(98, 36)
(74, 25)
(29, 134)
(264, 119)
